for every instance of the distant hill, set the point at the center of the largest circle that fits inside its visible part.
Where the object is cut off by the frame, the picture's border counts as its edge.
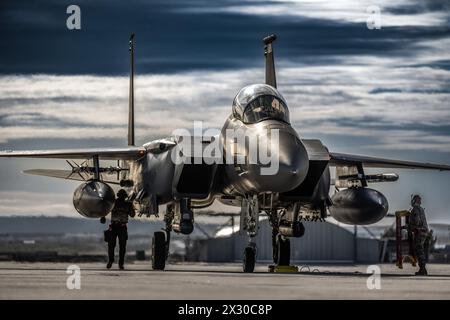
(66, 225)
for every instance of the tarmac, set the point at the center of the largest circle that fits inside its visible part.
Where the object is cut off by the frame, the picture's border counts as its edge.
(219, 281)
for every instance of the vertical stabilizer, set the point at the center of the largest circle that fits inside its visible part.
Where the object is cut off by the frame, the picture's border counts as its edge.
(270, 62)
(131, 94)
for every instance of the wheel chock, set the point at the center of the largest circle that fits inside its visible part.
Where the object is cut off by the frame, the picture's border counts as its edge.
(283, 269)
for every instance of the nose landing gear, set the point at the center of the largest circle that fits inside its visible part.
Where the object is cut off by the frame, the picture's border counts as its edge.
(249, 223)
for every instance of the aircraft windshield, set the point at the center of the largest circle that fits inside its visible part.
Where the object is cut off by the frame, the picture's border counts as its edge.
(265, 107)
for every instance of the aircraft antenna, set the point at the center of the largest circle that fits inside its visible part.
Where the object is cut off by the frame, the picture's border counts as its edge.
(131, 94)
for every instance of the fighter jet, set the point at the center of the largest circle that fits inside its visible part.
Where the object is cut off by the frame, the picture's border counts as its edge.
(168, 172)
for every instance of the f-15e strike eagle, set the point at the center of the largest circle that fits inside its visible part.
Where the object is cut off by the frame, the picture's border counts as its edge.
(298, 190)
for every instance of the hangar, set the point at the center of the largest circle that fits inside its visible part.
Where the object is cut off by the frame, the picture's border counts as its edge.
(323, 242)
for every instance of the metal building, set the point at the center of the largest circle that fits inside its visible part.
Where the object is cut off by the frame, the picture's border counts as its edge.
(323, 242)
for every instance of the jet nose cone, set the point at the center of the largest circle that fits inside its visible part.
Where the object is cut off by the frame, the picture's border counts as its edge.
(292, 166)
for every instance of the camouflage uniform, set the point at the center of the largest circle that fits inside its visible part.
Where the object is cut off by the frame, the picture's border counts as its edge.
(419, 227)
(428, 243)
(118, 227)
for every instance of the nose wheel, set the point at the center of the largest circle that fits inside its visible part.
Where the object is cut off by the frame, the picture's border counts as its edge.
(249, 220)
(249, 258)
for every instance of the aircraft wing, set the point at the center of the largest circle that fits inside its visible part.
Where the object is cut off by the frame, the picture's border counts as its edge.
(70, 175)
(342, 159)
(128, 153)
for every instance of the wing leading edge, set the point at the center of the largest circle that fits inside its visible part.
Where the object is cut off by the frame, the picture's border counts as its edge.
(342, 159)
(129, 153)
(70, 175)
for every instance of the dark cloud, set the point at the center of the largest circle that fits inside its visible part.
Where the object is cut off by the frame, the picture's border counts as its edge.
(419, 6)
(63, 143)
(177, 35)
(8, 102)
(380, 123)
(41, 120)
(437, 64)
(418, 90)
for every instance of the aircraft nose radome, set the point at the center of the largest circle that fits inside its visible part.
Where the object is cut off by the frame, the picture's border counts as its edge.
(293, 166)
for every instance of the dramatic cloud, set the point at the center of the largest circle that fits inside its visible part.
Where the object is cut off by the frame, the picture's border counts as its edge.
(417, 13)
(174, 36)
(399, 106)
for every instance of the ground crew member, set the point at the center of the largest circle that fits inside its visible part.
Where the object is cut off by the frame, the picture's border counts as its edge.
(429, 242)
(419, 227)
(118, 227)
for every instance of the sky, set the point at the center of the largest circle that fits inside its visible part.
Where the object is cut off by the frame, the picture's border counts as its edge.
(380, 92)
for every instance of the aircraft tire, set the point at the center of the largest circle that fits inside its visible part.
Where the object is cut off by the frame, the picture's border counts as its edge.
(284, 251)
(159, 250)
(249, 259)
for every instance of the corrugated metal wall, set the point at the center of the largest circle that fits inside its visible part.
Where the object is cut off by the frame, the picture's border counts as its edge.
(369, 250)
(322, 242)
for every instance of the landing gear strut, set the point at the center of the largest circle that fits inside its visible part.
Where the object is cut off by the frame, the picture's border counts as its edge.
(281, 248)
(249, 223)
(281, 244)
(184, 218)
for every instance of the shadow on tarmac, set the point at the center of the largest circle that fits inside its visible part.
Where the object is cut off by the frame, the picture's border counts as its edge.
(316, 271)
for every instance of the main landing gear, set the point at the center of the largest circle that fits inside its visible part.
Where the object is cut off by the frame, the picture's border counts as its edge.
(281, 245)
(281, 248)
(160, 249)
(282, 256)
(179, 218)
(248, 263)
(161, 241)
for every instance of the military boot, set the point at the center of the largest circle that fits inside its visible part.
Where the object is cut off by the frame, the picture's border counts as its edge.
(422, 271)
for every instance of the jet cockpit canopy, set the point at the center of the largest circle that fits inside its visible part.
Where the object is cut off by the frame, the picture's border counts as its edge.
(258, 102)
